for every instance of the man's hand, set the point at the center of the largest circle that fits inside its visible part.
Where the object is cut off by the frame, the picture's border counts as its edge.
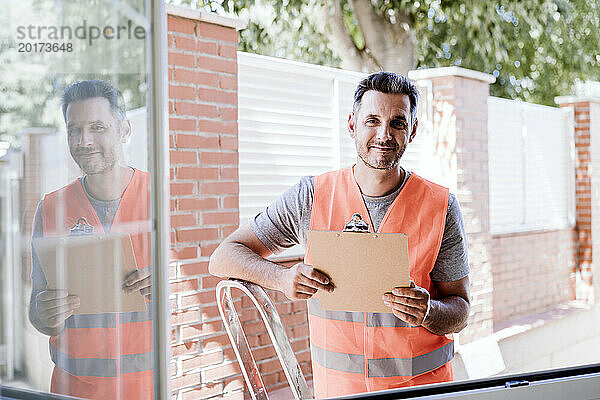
(141, 280)
(302, 281)
(410, 304)
(54, 307)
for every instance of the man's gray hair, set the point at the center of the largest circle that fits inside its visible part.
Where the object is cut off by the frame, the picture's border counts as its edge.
(94, 88)
(390, 83)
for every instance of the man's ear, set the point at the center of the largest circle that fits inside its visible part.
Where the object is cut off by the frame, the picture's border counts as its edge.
(125, 130)
(351, 125)
(414, 131)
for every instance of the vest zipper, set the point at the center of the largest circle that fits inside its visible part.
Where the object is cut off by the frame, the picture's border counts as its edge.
(372, 230)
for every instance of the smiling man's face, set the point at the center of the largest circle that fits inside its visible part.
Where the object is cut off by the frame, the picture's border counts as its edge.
(94, 135)
(381, 128)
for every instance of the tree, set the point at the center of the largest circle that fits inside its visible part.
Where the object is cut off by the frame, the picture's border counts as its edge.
(31, 83)
(537, 49)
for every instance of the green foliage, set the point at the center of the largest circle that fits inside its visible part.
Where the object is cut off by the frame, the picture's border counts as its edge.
(291, 29)
(31, 83)
(535, 48)
(285, 29)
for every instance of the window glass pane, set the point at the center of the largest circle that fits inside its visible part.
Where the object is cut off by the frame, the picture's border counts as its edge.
(75, 199)
(520, 220)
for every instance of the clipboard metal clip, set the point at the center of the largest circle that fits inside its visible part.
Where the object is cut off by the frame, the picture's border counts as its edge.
(356, 224)
(81, 227)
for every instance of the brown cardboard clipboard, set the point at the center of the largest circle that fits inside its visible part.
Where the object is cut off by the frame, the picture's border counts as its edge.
(362, 267)
(92, 267)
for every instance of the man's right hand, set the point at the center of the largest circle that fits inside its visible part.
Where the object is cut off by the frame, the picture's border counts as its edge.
(54, 307)
(302, 281)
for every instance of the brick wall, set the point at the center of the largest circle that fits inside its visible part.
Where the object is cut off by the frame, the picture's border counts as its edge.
(295, 320)
(202, 72)
(469, 97)
(532, 272)
(586, 195)
(460, 122)
(30, 193)
(31, 190)
(583, 194)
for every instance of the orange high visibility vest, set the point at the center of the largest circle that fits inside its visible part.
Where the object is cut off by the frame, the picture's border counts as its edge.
(104, 356)
(355, 352)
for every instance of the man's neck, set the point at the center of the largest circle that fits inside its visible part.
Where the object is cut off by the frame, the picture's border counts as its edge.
(377, 182)
(109, 185)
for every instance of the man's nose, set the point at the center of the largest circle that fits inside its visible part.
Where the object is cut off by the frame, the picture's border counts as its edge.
(86, 138)
(384, 132)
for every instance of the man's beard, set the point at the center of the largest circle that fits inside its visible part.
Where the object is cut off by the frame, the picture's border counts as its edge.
(387, 162)
(100, 163)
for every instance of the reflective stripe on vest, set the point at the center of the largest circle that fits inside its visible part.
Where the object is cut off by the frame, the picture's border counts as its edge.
(107, 320)
(314, 308)
(101, 367)
(383, 367)
(373, 319)
(354, 363)
(98, 349)
(378, 348)
(388, 320)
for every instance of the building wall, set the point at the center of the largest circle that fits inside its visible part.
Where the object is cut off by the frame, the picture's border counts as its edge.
(532, 272)
(295, 320)
(202, 70)
(36, 359)
(586, 118)
(460, 122)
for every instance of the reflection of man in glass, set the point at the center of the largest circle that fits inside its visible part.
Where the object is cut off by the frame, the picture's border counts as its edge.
(100, 356)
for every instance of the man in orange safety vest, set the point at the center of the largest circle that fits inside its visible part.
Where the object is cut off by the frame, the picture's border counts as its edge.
(355, 352)
(108, 355)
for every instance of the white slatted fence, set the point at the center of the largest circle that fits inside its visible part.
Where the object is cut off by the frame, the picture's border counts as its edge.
(531, 167)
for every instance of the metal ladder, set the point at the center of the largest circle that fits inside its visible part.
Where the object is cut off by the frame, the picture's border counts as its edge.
(276, 331)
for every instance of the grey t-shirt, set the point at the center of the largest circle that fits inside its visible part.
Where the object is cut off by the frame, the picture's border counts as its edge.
(286, 222)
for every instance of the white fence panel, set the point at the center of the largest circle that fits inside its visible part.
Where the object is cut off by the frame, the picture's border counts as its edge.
(531, 167)
(285, 127)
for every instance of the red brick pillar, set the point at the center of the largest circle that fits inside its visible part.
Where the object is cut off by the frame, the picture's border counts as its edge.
(460, 123)
(586, 112)
(31, 187)
(204, 195)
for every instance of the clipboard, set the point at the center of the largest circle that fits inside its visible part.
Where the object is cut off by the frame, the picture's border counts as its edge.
(92, 267)
(362, 266)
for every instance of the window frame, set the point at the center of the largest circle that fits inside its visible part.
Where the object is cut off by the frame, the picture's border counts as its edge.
(536, 385)
(157, 105)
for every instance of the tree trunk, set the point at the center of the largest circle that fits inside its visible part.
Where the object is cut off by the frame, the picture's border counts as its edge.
(388, 46)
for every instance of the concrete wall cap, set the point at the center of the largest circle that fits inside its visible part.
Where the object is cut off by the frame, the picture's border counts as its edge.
(429, 73)
(575, 99)
(205, 16)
